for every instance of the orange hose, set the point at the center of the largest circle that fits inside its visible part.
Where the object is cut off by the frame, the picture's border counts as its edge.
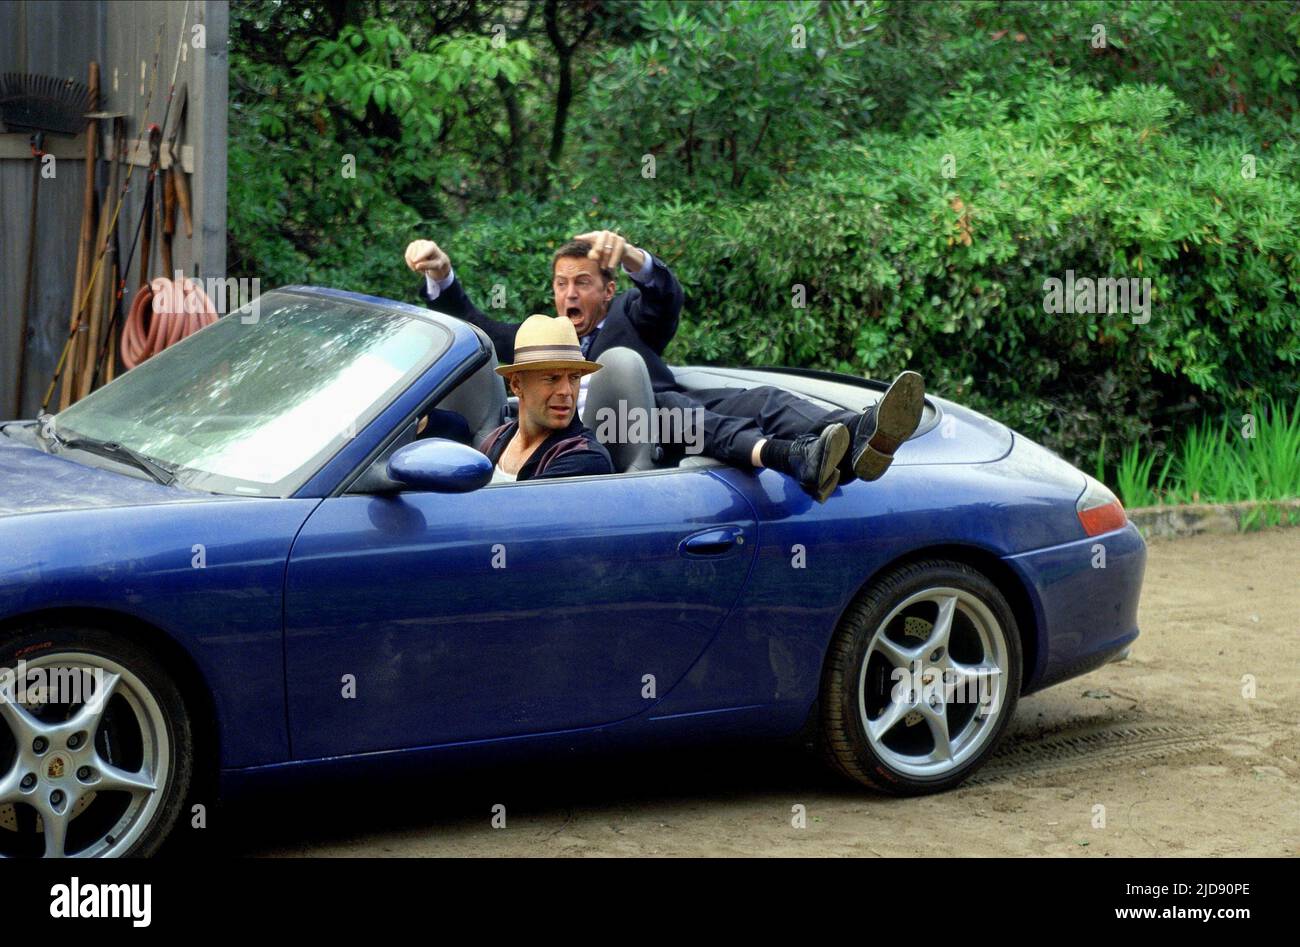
(162, 314)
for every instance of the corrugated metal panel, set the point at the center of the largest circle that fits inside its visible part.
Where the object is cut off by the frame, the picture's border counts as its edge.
(123, 36)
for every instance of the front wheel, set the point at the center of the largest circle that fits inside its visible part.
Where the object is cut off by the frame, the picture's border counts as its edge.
(95, 745)
(921, 679)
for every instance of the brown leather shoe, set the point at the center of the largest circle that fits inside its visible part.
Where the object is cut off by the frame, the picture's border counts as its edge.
(897, 415)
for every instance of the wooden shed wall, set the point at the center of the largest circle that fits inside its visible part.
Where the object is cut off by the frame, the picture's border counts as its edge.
(60, 39)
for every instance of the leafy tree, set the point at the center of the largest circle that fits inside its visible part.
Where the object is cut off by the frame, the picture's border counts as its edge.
(916, 169)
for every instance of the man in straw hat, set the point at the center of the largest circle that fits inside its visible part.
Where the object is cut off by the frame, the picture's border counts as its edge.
(756, 427)
(548, 439)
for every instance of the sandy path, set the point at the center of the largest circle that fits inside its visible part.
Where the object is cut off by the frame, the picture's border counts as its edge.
(1182, 763)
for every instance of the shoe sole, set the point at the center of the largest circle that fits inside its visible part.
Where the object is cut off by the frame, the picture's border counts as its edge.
(827, 488)
(835, 444)
(897, 416)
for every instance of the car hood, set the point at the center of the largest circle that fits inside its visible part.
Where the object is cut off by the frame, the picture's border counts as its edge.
(32, 481)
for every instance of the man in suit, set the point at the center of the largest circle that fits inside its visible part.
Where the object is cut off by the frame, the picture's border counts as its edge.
(643, 318)
(757, 427)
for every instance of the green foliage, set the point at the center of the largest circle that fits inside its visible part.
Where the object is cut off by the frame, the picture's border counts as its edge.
(1132, 477)
(901, 266)
(341, 144)
(1225, 56)
(725, 94)
(853, 186)
(1219, 463)
(375, 66)
(293, 214)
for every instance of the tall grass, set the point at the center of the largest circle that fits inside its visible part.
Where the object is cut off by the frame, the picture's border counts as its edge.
(1217, 463)
(1275, 460)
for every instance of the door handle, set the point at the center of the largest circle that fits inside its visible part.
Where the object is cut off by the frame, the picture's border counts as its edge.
(712, 542)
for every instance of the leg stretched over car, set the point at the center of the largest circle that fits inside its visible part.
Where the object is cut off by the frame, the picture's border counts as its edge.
(770, 427)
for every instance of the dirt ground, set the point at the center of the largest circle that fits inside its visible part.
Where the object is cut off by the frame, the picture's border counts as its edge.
(1179, 760)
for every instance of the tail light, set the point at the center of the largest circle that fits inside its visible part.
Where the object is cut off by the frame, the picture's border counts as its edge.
(1099, 510)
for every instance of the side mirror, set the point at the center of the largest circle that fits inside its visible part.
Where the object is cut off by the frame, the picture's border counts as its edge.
(440, 465)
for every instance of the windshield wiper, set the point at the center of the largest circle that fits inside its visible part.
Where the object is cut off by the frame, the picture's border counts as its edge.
(113, 451)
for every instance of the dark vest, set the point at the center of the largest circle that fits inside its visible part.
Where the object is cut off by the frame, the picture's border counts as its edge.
(570, 452)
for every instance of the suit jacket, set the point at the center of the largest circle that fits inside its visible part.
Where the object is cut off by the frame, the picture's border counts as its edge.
(570, 452)
(643, 318)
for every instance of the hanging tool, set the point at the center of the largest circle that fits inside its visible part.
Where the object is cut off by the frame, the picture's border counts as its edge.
(102, 301)
(63, 363)
(49, 104)
(41, 105)
(111, 338)
(168, 220)
(38, 153)
(86, 236)
(180, 186)
(78, 327)
(146, 248)
(121, 286)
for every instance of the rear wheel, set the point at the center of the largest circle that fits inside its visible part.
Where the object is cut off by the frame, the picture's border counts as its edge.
(96, 754)
(921, 680)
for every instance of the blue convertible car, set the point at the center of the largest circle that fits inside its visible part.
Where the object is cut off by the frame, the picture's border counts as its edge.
(241, 558)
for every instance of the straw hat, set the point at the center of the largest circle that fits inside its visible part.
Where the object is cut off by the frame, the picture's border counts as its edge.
(543, 342)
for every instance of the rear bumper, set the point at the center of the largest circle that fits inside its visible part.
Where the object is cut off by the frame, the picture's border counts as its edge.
(1085, 598)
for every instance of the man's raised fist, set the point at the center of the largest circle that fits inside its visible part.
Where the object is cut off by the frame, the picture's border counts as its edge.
(424, 256)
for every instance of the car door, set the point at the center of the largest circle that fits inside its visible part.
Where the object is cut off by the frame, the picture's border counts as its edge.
(419, 619)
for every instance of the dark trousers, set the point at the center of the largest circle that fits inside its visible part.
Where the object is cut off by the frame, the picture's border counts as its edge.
(735, 419)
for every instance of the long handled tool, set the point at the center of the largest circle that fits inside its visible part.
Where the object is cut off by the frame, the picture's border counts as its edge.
(103, 298)
(111, 338)
(126, 266)
(180, 187)
(39, 104)
(79, 328)
(86, 238)
(168, 218)
(64, 363)
(38, 153)
(150, 195)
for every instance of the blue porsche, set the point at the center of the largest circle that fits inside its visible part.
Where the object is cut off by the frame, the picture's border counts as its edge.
(247, 558)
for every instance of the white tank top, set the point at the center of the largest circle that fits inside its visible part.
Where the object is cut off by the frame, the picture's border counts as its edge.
(582, 394)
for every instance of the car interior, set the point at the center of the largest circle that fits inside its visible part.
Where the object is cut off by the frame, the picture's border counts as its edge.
(481, 401)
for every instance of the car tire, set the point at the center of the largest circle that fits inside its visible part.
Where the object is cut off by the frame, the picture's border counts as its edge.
(955, 638)
(113, 782)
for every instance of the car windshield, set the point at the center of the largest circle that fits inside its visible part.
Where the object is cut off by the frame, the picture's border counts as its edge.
(255, 403)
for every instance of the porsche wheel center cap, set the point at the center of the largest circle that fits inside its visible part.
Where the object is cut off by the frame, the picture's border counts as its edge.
(57, 766)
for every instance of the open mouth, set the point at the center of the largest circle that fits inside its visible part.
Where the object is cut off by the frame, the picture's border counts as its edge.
(573, 312)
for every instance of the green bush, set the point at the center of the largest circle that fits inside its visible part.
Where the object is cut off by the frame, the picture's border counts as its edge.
(902, 266)
(912, 173)
(1217, 56)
